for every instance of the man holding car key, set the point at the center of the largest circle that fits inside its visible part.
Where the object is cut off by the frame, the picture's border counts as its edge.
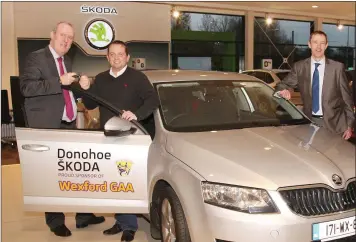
(49, 102)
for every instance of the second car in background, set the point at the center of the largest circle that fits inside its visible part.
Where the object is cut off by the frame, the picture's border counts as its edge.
(272, 77)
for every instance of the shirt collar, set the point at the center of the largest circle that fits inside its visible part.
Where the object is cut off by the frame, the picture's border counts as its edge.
(321, 62)
(54, 53)
(118, 73)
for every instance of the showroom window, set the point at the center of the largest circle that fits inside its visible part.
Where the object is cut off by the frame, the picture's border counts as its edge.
(283, 41)
(155, 54)
(341, 44)
(208, 42)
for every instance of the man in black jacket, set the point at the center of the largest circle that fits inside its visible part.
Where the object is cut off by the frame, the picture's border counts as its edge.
(130, 91)
(49, 103)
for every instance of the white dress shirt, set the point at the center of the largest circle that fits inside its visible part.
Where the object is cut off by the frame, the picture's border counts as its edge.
(119, 73)
(74, 105)
(321, 69)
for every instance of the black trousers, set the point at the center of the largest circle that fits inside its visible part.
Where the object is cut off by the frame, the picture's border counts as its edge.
(54, 220)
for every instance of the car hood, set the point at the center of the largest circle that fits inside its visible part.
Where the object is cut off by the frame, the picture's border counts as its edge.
(268, 157)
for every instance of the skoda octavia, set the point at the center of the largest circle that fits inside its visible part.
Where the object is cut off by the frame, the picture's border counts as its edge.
(221, 160)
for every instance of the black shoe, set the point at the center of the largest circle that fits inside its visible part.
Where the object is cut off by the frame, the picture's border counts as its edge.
(128, 235)
(113, 230)
(62, 231)
(92, 220)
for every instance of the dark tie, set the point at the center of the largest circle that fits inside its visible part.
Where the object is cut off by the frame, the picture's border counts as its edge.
(67, 99)
(315, 89)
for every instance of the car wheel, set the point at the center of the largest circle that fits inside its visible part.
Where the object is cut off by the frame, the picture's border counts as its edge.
(174, 226)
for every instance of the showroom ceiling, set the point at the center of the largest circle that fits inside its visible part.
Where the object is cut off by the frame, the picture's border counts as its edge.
(334, 10)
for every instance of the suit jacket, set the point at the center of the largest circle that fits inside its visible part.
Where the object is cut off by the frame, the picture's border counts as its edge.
(336, 94)
(39, 84)
(354, 88)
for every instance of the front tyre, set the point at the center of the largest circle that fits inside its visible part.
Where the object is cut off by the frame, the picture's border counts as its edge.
(174, 226)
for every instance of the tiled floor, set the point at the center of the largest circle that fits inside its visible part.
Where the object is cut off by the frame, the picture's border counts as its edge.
(20, 226)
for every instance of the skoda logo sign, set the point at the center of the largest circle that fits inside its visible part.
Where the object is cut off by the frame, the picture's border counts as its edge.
(337, 179)
(99, 33)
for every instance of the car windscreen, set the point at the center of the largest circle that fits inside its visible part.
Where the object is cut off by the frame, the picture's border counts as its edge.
(222, 105)
(281, 75)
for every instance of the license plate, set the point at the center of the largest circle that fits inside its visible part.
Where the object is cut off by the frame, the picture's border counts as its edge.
(334, 229)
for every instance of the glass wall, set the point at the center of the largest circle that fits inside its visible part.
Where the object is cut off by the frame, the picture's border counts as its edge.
(208, 42)
(283, 41)
(341, 44)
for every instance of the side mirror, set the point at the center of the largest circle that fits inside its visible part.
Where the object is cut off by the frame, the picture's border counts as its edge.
(119, 127)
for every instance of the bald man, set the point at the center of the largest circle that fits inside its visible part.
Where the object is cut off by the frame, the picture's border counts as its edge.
(49, 102)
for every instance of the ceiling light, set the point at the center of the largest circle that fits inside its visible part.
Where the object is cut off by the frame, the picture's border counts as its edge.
(315, 6)
(175, 13)
(268, 20)
(339, 25)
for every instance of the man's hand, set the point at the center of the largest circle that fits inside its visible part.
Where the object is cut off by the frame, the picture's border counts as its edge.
(347, 134)
(128, 115)
(285, 94)
(67, 78)
(84, 82)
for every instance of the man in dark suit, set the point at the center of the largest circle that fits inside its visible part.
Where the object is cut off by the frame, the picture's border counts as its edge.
(49, 102)
(324, 88)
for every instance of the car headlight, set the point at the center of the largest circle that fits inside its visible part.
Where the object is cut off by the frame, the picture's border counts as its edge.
(242, 199)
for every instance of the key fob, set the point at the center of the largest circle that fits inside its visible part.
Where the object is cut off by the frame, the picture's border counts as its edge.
(77, 77)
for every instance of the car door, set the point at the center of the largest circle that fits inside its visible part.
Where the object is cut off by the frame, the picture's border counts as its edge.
(84, 170)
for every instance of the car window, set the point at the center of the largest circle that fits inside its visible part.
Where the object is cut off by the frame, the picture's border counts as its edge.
(258, 74)
(269, 78)
(89, 118)
(261, 75)
(222, 105)
(350, 75)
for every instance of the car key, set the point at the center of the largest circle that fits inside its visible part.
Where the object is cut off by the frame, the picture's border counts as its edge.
(77, 77)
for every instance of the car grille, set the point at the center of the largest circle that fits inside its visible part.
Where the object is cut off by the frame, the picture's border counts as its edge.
(347, 239)
(319, 201)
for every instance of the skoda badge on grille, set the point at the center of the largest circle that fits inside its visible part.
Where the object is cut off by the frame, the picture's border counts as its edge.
(337, 180)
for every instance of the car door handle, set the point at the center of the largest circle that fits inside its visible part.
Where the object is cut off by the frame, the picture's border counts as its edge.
(35, 147)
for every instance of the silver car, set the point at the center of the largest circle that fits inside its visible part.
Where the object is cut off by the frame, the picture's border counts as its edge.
(272, 78)
(221, 167)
